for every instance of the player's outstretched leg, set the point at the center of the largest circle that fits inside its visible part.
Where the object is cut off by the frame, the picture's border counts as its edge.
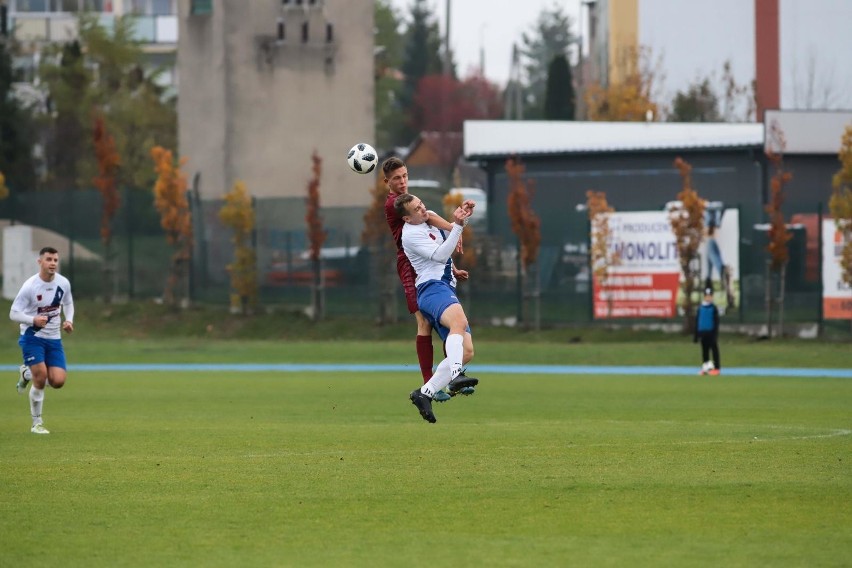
(23, 381)
(442, 396)
(462, 384)
(423, 404)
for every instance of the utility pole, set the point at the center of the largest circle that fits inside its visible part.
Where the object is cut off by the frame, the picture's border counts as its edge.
(585, 64)
(447, 41)
(444, 155)
(513, 105)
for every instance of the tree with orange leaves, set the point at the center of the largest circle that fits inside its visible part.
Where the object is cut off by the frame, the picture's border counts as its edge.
(375, 238)
(374, 216)
(316, 236)
(175, 219)
(526, 226)
(106, 181)
(686, 217)
(778, 236)
(629, 95)
(840, 204)
(238, 214)
(4, 190)
(604, 257)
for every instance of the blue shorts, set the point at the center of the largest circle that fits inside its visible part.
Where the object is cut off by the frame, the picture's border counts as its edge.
(433, 298)
(37, 350)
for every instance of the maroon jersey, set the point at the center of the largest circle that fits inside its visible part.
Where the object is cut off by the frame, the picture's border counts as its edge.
(403, 267)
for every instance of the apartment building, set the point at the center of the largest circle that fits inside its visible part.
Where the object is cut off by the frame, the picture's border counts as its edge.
(35, 23)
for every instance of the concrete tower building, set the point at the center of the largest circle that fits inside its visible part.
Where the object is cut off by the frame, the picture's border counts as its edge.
(264, 83)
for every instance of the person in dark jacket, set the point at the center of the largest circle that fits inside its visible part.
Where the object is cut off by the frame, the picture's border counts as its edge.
(707, 330)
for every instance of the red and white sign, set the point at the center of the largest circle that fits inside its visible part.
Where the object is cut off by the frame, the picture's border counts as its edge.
(637, 295)
(836, 294)
(645, 282)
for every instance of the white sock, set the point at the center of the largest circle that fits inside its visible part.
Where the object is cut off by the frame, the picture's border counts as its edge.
(36, 402)
(455, 354)
(439, 380)
(449, 368)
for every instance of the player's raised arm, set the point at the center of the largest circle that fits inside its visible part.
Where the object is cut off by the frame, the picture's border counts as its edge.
(440, 223)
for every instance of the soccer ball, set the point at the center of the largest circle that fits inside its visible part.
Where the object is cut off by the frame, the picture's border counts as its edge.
(707, 367)
(362, 158)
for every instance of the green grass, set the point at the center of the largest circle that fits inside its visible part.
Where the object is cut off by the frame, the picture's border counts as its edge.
(336, 469)
(670, 350)
(144, 332)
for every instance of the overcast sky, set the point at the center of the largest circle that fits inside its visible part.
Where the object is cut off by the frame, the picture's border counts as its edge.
(815, 41)
(492, 25)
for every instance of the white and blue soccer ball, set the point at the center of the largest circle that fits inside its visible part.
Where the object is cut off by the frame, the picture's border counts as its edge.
(362, 158)
(707, 367)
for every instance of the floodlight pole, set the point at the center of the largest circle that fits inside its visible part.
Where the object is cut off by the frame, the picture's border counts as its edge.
(444, 97)
(447, 40)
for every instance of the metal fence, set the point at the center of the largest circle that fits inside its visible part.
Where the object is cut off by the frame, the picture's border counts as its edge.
(361, 280)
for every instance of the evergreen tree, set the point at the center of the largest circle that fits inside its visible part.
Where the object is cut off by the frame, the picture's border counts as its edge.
(422, 57)
(67, 142)
(389, 40)
(16, 140)
(551, 36)
(559, 96)
(389, 46)
(132, 104)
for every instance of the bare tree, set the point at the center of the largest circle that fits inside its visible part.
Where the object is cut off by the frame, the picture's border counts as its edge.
(815, 87)
(739, 102)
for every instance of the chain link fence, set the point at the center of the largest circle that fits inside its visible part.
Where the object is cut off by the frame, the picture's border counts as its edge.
(360, 280)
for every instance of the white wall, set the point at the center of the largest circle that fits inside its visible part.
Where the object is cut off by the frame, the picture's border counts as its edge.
(19, 259)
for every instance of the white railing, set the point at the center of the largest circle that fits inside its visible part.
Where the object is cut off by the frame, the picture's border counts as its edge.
(62, 26)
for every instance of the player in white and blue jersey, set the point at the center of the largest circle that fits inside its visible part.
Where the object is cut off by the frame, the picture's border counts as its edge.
(430, 254)
(38, 308)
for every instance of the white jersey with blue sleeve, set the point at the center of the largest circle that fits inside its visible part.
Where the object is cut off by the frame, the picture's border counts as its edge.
(429, 252)
(39, 298)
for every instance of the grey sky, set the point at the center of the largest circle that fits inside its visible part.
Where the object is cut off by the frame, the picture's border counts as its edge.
(691, 41)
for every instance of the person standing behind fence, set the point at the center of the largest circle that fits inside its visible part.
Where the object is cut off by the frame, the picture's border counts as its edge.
(38, 308)
(707, 330)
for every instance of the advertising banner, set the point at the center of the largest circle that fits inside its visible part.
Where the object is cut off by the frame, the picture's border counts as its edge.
(646, 281)
(836, 294)
(720, 255)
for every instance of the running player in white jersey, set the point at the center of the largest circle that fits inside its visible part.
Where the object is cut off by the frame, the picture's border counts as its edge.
(430, 255)
(38, 308)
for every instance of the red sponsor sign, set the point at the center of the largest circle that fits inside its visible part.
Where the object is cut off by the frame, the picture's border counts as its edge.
(837, 308)
(637, 295)
(836, 293)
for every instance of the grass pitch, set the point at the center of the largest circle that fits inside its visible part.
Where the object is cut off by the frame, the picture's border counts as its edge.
(338, 469)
